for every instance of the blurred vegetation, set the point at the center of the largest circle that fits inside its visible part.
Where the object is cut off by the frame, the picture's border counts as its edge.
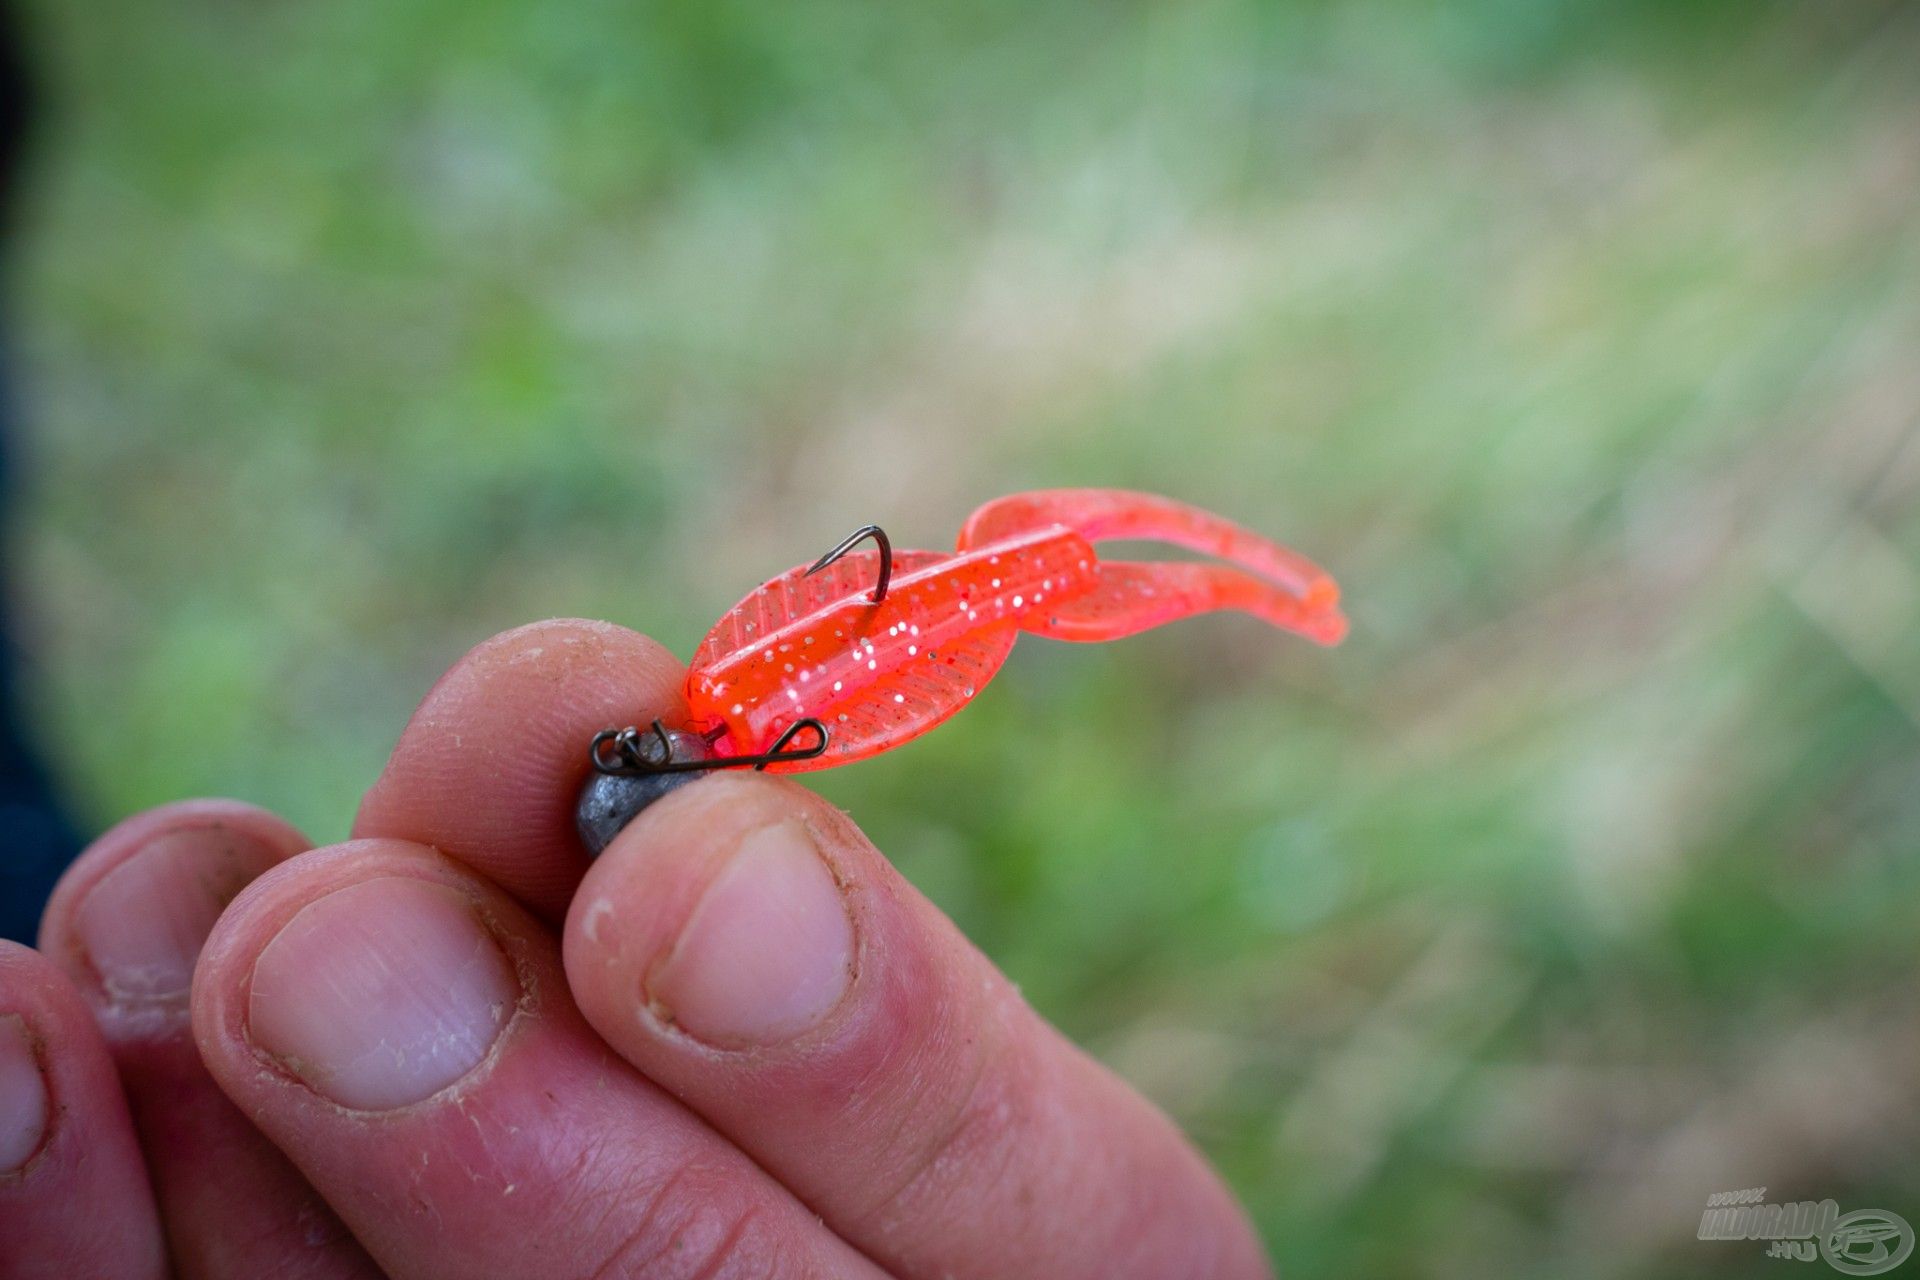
(1578, 338)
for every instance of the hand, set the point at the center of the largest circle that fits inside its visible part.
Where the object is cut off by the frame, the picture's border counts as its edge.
(738, 1044)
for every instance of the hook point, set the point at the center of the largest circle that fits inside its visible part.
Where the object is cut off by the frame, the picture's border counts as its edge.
(853, 540)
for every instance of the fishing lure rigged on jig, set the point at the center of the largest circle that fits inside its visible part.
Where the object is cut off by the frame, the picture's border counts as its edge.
(862, 650)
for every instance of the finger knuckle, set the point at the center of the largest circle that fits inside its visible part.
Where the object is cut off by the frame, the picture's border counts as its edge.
(967, 1134)
(697, 1223)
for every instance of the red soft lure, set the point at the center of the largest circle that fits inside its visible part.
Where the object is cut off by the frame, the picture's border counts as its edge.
(811, 671)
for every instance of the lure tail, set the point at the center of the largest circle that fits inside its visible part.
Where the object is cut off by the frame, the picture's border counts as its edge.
(1263, 578)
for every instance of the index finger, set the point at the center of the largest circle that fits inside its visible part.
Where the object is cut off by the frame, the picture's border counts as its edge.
(489, 767)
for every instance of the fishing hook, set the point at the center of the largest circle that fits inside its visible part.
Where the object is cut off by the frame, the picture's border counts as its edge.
(853, 540)
(630, 756)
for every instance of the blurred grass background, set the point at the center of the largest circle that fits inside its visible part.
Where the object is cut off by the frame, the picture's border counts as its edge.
(1581, 340)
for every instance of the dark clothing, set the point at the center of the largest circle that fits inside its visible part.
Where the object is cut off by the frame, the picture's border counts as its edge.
(37, 840)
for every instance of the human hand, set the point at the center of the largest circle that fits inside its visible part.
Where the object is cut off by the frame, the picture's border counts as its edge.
(739, 1043)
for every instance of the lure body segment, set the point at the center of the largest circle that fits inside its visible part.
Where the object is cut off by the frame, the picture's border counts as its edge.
(876, 674)
(1263, 578)
(817, 646)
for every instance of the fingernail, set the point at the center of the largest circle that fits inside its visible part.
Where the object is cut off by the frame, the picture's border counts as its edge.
(23, 1096)
(767, 951)
(382, 993)
(143, 924)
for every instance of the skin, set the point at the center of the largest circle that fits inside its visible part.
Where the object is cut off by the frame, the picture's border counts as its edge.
(737, 1044)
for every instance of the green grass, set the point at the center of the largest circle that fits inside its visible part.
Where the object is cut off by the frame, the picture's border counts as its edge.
(1578, 339)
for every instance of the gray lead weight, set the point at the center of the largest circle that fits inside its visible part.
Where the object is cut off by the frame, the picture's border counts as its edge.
(611, 800)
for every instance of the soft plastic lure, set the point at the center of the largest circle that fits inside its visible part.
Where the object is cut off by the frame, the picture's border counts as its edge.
(863, 650)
